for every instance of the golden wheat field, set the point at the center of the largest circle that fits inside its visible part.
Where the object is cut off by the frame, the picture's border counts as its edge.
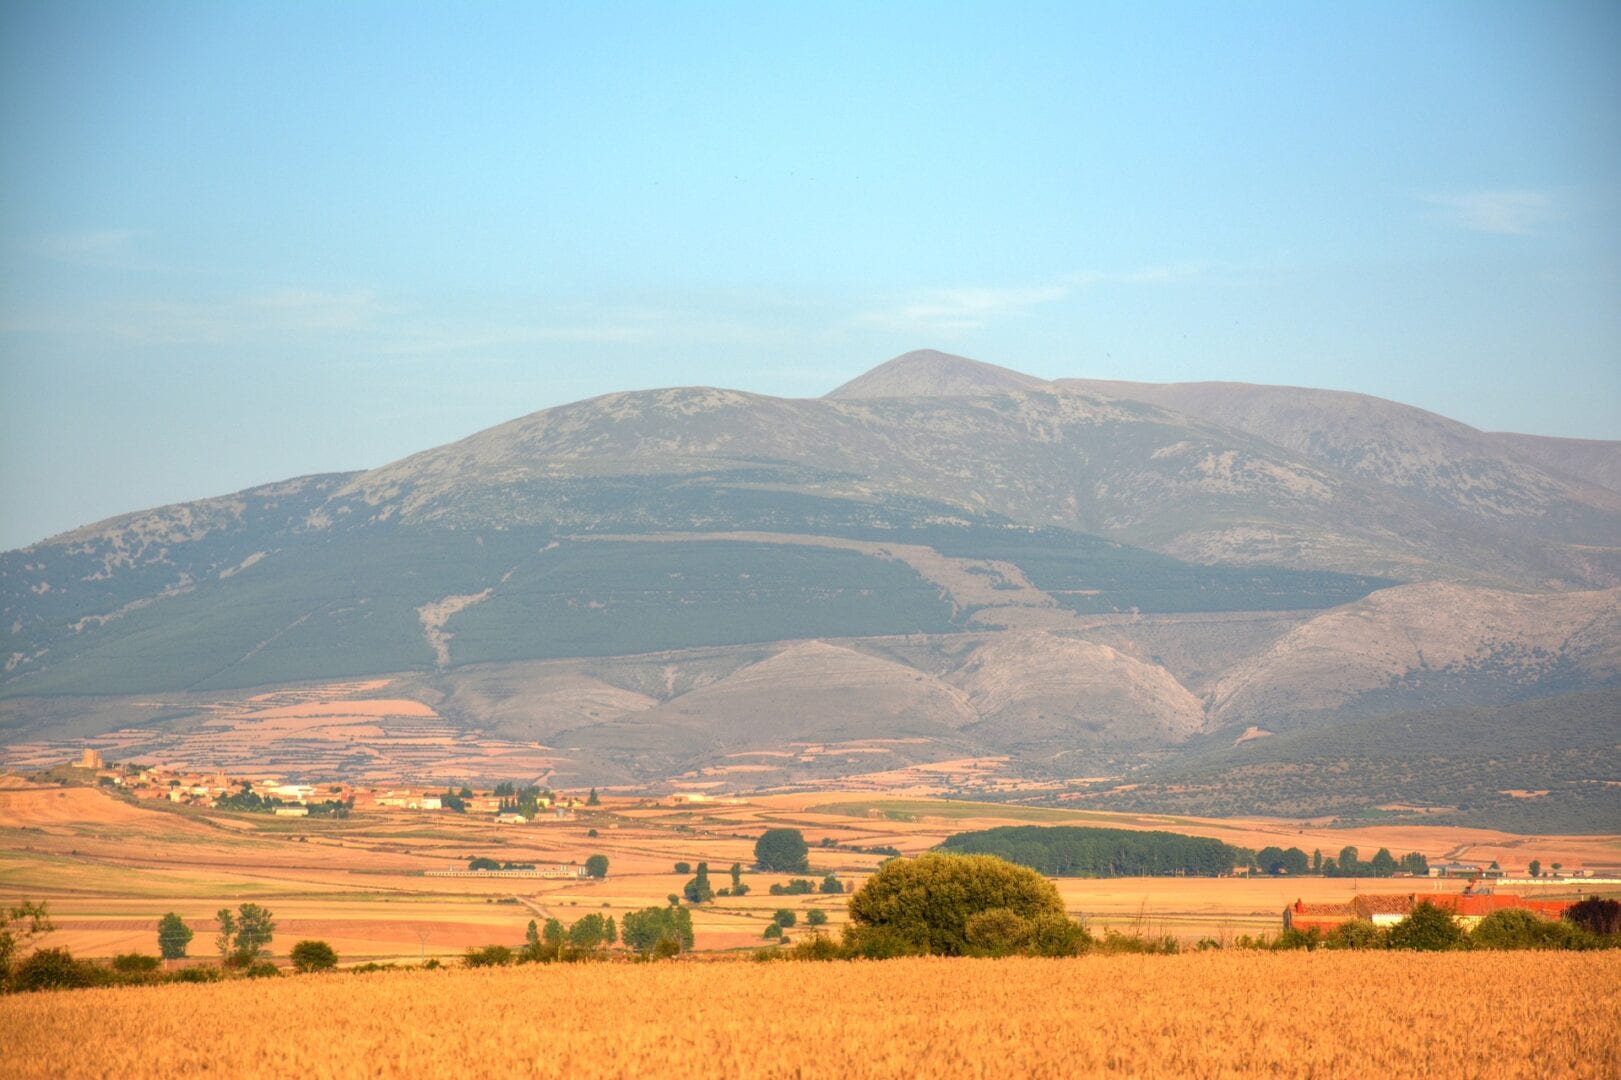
(1200, 1015)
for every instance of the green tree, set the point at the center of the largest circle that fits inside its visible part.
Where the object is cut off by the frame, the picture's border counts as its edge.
(227, 932)
(831, 885)
(1317, 860)
(1536, 867)
(596, 866)
(784, 918)
(592, 799)
(533, 951)
(783, 851)
(173, 936)
(697, 890)
(772, 931)
(1426, 928)
(1383, 864)
(737, 876)
(683, 868)
(815, 917)
(646, 929)
(553, 933)
(1270, 860)
(924, 904)
(313, 956)
(1350, 863)
(23, 922)
(610, 933)
(254, 928)
(589, 932)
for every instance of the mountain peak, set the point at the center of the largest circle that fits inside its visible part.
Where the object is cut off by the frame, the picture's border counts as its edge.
(930, 373)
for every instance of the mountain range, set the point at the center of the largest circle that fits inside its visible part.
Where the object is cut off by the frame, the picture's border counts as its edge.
(940, 559)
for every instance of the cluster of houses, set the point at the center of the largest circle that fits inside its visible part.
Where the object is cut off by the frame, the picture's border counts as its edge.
(1467, 908)
(196, 788)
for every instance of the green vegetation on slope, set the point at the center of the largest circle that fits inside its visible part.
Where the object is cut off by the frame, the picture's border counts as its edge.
(606, 599)
(1465, 762)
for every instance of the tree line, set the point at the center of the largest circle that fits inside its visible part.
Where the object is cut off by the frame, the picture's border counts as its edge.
(1076, 851)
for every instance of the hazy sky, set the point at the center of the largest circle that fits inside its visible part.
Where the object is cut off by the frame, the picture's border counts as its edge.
(243, 242)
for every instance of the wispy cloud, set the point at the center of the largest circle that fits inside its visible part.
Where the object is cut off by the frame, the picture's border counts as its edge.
(963, 308)
(264, 316)
(970, 308)
(88, 247)
(1504, 212)
(1164, 274)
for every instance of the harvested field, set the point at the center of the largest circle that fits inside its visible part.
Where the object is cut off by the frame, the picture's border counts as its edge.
(1203, 1015)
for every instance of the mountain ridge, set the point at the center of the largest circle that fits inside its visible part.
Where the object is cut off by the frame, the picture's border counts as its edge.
(940, 558)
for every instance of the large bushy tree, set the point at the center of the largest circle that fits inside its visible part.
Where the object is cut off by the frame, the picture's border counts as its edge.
(926, 904)
(782, 850)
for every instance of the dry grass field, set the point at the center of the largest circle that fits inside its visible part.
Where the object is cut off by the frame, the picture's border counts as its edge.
(1499, 1015)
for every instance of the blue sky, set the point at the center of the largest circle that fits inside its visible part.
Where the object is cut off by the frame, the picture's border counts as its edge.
(242, 242)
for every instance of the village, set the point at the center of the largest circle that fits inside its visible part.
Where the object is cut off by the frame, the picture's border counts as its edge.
(506, 803)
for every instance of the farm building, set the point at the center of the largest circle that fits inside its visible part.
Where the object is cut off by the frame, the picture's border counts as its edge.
(1388, 909)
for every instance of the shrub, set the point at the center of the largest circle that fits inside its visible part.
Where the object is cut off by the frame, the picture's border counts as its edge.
(1293, 938)
(1356, 934)
(261, 969)
(880, 943)
(1116, 942)
(488, 956)
(1516, 928)
(831, 885)
(53, 969)
(773, 931)
(683, 868)
(135, 964)
(815, 917)
(197, 975)
(1596, 915)
(996, 932)
(784, 918)
(666, 948)
(313, 956)
(929, 900)
(1426, 928)
(817, 947)
(1055, 935)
